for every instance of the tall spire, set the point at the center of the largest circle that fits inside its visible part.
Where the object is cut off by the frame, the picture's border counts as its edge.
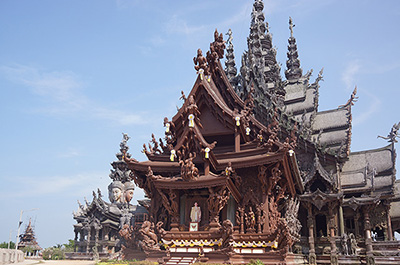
(293, 70)
(230, 66)
(259, 63)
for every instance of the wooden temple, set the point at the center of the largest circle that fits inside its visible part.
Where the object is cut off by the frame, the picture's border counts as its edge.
(250, 169)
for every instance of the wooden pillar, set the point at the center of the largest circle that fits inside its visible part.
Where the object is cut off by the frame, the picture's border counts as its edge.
(88, 242)
(368, 240)
(332, 236)
(389, 222)
(356, 225)
(237, 140)
(341, 220)
(206, 167)
(310, 223)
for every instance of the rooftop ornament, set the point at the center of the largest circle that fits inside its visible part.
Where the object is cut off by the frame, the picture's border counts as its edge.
(394, 133)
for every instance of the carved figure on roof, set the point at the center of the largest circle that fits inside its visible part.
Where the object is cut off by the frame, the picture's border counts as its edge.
(351, 100)
(201, 63)
(123, 145)
(291, 26)
(115, 191)
(394, 133)
(195, 213)
(230, 38)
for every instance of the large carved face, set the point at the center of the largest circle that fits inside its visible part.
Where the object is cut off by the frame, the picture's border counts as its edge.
(116, 194)
(128, 195)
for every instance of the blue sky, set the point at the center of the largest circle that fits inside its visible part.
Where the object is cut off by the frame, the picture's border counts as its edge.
(76, 74)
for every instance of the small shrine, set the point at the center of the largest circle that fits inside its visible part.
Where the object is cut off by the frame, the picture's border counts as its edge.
(27, 242)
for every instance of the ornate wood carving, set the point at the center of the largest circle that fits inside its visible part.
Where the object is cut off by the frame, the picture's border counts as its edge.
(216, 202)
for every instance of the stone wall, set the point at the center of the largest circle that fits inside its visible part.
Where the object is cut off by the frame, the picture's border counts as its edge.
(10, 256)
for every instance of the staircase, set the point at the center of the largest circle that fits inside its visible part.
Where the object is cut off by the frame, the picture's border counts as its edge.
(180, 260)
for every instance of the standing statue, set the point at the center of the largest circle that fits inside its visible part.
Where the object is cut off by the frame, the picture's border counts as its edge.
(345, 246)
(353, 245)
(195, 214)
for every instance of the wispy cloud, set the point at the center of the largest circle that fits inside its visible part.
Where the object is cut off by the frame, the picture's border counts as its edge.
(177, 25)
(373, 107)
(62, 92)
(349, 74)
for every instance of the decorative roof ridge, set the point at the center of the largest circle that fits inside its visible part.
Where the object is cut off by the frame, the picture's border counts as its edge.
(384, 148)
(293, 70)
(322, 172)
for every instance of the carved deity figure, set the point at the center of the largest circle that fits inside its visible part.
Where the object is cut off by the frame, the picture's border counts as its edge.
(345, 246)
(250, 220)
(195, 214)
(115, 191)
(200, 62)
(353, 244)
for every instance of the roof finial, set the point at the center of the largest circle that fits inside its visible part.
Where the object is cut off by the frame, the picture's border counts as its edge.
(293, 71)
(291, 26)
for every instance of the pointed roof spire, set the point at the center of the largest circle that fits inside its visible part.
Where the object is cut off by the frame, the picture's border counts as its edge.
(259, 64)
(293, 70)
(230, 66)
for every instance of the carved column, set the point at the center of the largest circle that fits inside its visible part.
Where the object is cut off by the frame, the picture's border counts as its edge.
(341, 220)
(332, 238)
(368, 240)
(88, 241)
(356, 225)
(389, 222)
(237, 140)
(241, 211)
(310, 223)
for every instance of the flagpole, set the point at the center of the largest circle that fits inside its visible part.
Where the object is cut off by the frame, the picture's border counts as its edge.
(19, 228)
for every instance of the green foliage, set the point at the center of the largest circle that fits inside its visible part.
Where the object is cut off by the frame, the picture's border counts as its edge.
(69, 247)
(5, 245)
(255, 262)
(53, 254)
(27, 249)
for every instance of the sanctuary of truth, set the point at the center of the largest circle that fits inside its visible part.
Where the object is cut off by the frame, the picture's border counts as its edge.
(250, 169)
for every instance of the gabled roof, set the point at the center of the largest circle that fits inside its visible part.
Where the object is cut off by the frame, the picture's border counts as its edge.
(369, 170)
(318, 170)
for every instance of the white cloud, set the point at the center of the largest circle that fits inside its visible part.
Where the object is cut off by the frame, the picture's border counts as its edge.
(62, 92)
(177, 25)
(349, 74)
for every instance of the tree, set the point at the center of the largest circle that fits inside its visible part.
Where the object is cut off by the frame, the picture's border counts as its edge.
(5, 245)
(70, 246)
